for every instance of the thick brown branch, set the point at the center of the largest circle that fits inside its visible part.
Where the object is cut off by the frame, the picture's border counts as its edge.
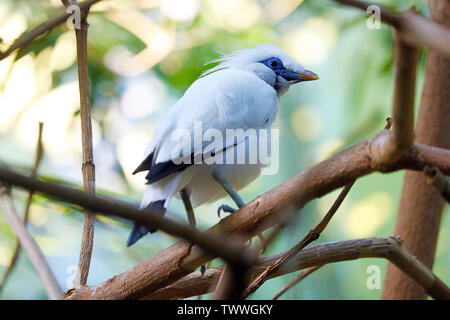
(431, 156)
(229, 250)
(26, 38)
(231, 283)
(315, 255)
(37, 161)
(31, 248)
(414, 29)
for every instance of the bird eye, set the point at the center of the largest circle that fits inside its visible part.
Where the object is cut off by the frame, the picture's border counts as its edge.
(273, 63)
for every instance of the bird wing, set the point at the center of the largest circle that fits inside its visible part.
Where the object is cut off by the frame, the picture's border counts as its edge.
(226, 99)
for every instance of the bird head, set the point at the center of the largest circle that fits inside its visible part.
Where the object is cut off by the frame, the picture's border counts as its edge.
(269, 63)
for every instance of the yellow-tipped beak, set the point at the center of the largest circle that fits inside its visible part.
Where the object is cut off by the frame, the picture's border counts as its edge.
(307, 75)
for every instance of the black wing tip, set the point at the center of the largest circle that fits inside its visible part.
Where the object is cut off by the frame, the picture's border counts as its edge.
(145, 165)
(142, 167)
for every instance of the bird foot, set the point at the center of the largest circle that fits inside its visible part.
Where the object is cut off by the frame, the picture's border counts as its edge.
(225, 208)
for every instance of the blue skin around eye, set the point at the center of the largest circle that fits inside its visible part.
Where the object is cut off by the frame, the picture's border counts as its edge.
(280, 70)
(268, 61)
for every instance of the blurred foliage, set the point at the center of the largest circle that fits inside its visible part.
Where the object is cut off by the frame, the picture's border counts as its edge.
(143, 54)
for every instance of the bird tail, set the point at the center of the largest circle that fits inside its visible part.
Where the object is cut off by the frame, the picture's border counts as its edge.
(156, 198)
(140, 230)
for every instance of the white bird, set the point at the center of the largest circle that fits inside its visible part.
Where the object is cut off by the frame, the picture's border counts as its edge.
(241, 92)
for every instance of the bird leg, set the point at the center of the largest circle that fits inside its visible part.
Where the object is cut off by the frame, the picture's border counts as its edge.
(239, 202)
(233, 194)
(188, 206)
(190, 216)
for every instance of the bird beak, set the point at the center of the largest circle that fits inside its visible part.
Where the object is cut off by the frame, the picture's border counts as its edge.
(295, 77)
(307, 76)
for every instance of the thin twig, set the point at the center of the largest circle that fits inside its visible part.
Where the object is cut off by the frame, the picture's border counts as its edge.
(25, 39)
(439, 181)
(295, 281)
(227, 248)
(310, 237)
(37, 161)
(31, 248)
(88, 167)
(314, 255)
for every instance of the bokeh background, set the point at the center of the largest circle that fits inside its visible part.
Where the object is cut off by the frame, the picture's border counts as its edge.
(143, 54)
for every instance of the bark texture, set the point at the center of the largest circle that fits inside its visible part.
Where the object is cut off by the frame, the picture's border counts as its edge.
(420, 210)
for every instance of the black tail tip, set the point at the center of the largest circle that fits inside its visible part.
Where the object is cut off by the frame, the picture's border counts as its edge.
(138, 232)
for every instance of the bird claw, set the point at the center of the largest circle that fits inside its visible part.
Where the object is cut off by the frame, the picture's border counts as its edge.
(225, 208)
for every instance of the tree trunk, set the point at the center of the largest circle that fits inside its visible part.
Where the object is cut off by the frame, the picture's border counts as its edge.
(419, 214)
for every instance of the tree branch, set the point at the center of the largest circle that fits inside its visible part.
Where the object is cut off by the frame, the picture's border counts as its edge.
(37, 161)
(231, 283)
(26, 38)
(414, 29)
(229, 250)
(310, 237)
(31, 248)
(88, 167)
(402, 135)
(432, 156)
(296, 280)
(316, 255)
(439, 181)
(420, 210)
